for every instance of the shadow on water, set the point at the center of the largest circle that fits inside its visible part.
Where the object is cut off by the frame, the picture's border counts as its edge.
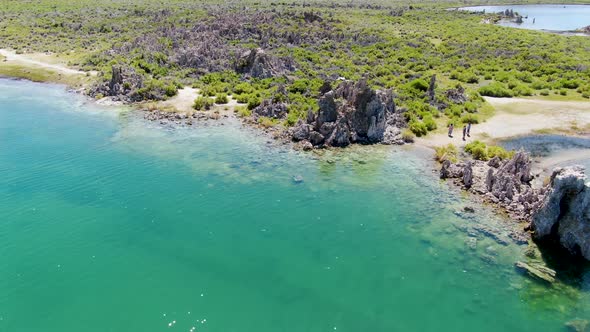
(571, 269)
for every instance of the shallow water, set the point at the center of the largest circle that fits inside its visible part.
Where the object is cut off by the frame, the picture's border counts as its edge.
(109, 223)
(560, 149)
(546, 17)
(545, 145)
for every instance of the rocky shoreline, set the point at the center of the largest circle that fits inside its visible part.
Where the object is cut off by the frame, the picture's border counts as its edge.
(557, 211)
(353, 113)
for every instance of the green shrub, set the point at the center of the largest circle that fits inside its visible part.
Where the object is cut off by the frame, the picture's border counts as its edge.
(470, 107)
(470, 118)
(539, 85)
(299, 86)
(243, 88)
(418, 128)
(419, 84)
(203, 103)
(292, 118)
(408, 136)
(170, 90)
(477, 150)
(448, 152)
(243, 111)
(243, 98)
(569, 84)
(503, 76)
(221, 98)
(253, 102)
(525, 77)
(429, 122)
(521, 90)
(498, 151)
(495, 90)
(469, 77)
(480, 151)
(267, 122)
(544, 92)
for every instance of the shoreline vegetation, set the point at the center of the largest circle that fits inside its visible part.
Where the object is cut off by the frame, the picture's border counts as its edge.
(321, 75)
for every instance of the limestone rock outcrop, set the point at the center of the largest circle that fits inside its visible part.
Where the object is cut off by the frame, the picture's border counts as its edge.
(259, 64)
(502, 182)
(565, 211)
(559, 211)
(271, 109)
(352, 113)
(457, 95)
(123, 85)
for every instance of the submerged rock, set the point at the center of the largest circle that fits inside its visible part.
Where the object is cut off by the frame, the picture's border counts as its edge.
(577, 325)
(297, 179)
(469, 209)
(537, 271)
(471, 242)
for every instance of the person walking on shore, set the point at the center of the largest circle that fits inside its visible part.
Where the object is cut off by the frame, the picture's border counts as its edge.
(469, 129)
(451, 127)
(464, 131)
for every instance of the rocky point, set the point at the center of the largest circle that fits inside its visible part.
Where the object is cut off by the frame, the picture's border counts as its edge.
(351, 113)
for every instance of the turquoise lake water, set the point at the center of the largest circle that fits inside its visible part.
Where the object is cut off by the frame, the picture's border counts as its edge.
(546, 17)
(110, 223)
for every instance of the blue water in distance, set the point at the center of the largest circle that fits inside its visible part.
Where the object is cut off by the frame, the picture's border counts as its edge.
(546, 17)
(111, 223)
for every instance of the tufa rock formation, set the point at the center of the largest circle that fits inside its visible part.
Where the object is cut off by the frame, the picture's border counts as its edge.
(257, 63)
(270, 109)
(457, 95)
(123, 85)
(431, 92)
(502, 182)
(564, 214)
(351, 113)
(560, 211)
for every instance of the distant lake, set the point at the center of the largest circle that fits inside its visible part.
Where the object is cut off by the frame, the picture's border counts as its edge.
(546, 17)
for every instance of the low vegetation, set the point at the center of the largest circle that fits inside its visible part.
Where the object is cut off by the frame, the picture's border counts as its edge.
(448, 152)
(480, 151)
(169, 44)
(203, 103)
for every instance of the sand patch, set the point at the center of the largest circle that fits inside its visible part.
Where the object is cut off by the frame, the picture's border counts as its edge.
(185, 98)
(40, 60)
(517, 117)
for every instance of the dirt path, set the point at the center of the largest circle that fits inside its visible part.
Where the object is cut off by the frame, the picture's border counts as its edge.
(38, 60)
(516, 117)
